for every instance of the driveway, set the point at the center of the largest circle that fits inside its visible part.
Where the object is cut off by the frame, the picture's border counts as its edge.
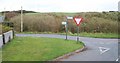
(93, 45)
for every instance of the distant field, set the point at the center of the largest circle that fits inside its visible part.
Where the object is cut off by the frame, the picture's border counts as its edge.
(58, 13)
(31, 13)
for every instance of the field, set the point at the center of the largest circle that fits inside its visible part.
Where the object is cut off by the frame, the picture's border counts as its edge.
(37, 49)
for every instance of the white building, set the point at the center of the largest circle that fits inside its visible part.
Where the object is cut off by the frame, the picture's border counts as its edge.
(1, 18)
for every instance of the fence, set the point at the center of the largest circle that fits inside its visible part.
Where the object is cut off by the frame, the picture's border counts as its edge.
(6, 37)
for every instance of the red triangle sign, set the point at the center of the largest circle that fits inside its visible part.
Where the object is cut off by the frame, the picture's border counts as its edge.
(78, 20)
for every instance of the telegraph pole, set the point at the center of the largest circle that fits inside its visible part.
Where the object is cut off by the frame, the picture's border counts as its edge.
(21, 20)
(4, 13)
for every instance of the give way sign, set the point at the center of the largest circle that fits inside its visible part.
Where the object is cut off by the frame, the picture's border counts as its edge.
(77, 20)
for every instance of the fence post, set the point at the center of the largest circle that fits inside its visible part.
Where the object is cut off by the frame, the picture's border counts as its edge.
(3, 36)
(13, 33)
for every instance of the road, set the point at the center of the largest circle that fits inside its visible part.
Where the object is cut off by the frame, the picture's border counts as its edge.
(93, 52)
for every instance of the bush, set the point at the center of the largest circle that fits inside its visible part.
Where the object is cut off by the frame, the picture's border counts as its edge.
(5, 28)
(39, 23)
(51, 22)
(100, 25)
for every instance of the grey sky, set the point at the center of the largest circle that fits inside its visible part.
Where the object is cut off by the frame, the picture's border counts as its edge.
(60, 5)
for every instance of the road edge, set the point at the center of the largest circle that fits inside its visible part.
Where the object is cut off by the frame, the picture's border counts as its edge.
(70, 54)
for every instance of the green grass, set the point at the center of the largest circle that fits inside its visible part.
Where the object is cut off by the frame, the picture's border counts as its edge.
(100, 35)
(82, 34)
(36, 32)
(96, 35)
(57, 13)
(32, 13)
(37, 49)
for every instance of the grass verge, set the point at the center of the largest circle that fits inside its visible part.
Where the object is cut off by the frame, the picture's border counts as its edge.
(37, 49)
(95, 35)
(100, 35)
(82, 34)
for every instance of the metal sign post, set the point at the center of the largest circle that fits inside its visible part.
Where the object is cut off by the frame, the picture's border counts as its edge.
(65, 24)
(66, 28)
(68, 17)
(77, 34)
(77, 20)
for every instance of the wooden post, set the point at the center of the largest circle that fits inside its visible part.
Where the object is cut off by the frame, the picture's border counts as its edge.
(21, 19)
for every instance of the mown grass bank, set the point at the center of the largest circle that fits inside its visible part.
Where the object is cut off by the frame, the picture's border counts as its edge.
(37, 49)
(81, 34)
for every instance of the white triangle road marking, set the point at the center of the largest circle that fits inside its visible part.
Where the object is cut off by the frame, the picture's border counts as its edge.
(103, 49)
(117, 59)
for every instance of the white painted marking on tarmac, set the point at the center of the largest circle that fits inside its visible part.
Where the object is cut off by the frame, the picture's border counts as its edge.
(117, 59)
(103, 50)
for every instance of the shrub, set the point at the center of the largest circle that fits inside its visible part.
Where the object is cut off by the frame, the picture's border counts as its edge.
(40, 23)
(51, 22)
(5, 28)
(100, 25)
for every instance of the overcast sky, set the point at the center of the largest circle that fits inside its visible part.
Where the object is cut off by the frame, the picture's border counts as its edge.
(60, 5)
